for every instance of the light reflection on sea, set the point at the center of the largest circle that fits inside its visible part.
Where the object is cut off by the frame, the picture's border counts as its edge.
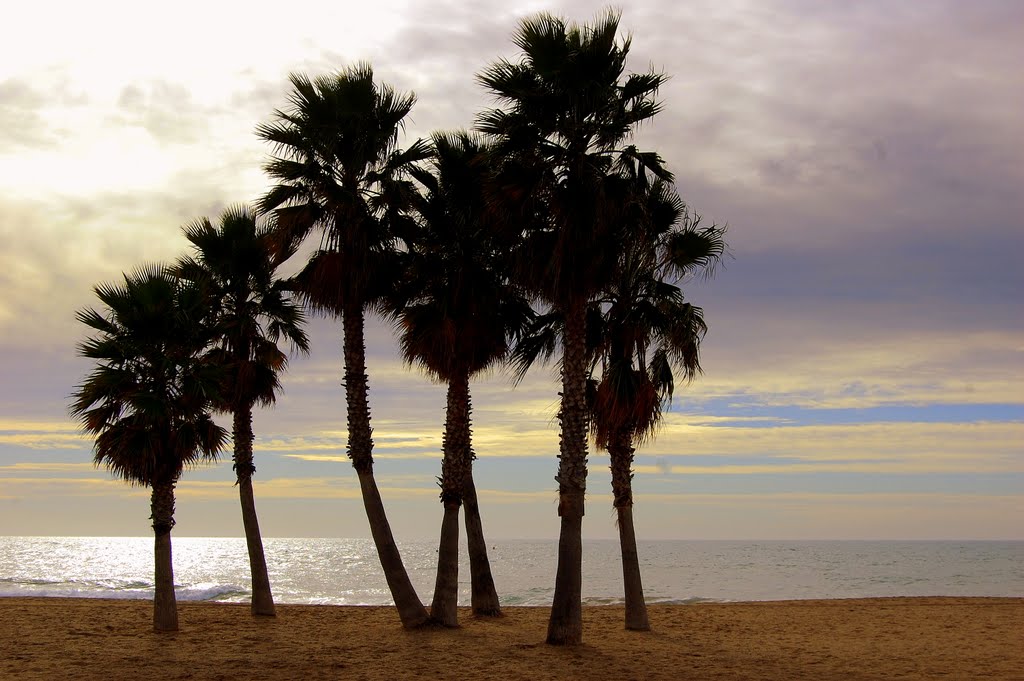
(346, 571)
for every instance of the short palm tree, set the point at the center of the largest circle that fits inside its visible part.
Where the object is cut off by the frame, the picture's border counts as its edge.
(340, 173)
(147, 401)
(457, 315)
(568, 112)
(234, 264)
(648, 334)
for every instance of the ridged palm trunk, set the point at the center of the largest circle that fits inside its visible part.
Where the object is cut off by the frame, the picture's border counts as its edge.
(485, 595)
(443, 609)
(360, 450)
(565, 626)
(262, 598)
(165, 607)
(620, 451)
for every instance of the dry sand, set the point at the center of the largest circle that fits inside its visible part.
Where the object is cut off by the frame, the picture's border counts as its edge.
(898, 638)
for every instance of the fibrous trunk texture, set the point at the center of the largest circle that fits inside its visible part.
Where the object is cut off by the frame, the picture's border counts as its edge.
(262, 598)
(165, 607)
(360, 442)
(565, 626)
(360, 451)
(443, 609)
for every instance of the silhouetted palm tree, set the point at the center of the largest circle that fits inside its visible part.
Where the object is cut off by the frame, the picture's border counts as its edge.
(640, 332)
(457, 313)
(647, 333)
(340, 173)
(234, 263)
(147, 401)
(568, 113)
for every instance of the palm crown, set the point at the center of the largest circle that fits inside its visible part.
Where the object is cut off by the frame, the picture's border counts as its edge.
(568, 114)
(339, 169)
(234, 265)
(457, 310)
(147, 399)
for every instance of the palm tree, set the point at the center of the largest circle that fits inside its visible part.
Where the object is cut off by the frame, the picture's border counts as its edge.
(457, 314)
(568, 113)
(234, 263)
(341, 173)
(647, 332)
(639, 331)
(147, 401)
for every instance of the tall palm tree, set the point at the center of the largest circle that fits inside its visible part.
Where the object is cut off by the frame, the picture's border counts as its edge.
(147, 401)
(457, 314)
(640, 332)
(234, 263)
(568, 112)
(341, 174)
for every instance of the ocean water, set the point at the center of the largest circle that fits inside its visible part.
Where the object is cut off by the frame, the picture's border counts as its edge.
(346, 571)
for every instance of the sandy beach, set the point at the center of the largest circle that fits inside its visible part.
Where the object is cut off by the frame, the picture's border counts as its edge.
(893, 638)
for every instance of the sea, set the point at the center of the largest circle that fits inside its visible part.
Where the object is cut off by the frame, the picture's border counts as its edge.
(346, 571)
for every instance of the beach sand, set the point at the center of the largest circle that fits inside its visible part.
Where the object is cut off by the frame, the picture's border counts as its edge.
(891, 638)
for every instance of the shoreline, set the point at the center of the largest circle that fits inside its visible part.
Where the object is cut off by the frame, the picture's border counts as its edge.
(874, 638)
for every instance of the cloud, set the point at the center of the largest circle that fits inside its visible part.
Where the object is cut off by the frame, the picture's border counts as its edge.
(865, 155)
(42, 436)
(844, 360)
(35, 487)
(165, 110)
(45, 467)
(22, 124)
(304, 488)
(882, 448)
(318, 458)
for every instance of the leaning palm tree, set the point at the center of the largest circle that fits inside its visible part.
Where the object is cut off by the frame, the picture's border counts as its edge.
(457, 313)
(568, 112)
(341, 174)
(148, 399)
(234, 263)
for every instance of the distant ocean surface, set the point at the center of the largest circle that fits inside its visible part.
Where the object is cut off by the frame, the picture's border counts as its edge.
(346, 571)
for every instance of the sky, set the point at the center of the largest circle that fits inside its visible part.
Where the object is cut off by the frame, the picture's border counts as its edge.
(865, 358)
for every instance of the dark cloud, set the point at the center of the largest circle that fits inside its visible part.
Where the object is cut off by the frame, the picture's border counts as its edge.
(860, 152)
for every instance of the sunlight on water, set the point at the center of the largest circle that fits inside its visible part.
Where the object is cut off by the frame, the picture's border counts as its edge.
(346, 571)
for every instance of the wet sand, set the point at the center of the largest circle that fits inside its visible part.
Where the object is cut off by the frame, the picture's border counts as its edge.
(892, 638)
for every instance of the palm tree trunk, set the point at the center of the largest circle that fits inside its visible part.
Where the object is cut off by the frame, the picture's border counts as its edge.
(485, 595)
(565, 627)
(262, 598)
(165, 607)
(443, 609)
(410, 608)
(360, 451)
(620, 451)
(636, 606)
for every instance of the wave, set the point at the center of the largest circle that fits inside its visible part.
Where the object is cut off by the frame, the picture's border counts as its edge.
(649, 600)
(542, 598)
(117, 589)
(225, 593)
